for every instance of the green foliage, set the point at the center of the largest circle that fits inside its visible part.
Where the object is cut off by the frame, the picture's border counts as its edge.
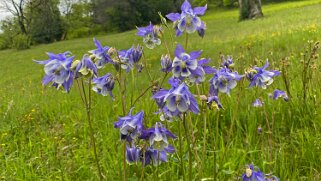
(46, 24)
(21, 42)
(10, 30)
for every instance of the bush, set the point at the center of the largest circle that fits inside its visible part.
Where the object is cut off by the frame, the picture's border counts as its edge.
(21, 42)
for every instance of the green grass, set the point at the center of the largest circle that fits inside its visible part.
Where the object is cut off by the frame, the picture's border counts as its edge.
(44, 134)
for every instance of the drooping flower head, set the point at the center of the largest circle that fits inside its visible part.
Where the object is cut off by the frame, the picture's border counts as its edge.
(136, 53)
(261, 77)
(132, 154)
(157, 136)
(198, 75)
(252, 175)
(58, 70)
(131, 126)
(188, 20)
(100, 55)
(178, 99)
(280, 94)
(224, 81)
(184, 64)
(257, 103)
(126, 59)
(166, 63)
(156, 156)
(104, 84)
(86, 67)
(227, 63)
(151, 35)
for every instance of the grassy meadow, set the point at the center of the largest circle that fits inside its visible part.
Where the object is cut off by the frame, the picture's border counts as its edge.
(44, 134)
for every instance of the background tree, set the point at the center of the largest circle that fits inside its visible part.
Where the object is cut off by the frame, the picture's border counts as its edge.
(46, 24)
(250, 9)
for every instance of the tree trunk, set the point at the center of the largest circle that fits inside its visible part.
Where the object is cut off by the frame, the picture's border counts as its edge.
(250, 9)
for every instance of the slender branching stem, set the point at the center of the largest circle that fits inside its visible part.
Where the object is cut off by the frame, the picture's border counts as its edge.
(88, 111)
(180, 149)
(188, 147)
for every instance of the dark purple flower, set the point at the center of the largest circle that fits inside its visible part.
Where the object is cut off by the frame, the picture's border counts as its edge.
(198, 75)
(280, 94)
(132, 154)
(166, 63)
(150, 35)
(58, 70)
(157, 136)
(257, 103)
(104, 84)
(131, 126)
(188, 20)
(224, 81)
(100, 55)
(86, 67)
(184, 64)
(228, 63)
(126, 59)
(259, 130)
(156, 156)
(252, 175)
(261, 77)
(136, 54)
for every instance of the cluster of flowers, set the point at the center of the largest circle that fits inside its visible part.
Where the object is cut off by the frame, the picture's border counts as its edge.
(186, 68)
(255, 174)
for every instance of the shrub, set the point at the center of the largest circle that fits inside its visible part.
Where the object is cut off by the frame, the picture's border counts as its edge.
(21, 42)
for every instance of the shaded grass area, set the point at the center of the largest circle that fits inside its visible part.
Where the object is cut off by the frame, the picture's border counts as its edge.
(44, 135)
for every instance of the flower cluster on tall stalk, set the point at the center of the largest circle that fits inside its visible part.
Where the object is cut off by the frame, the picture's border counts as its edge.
(176, 104)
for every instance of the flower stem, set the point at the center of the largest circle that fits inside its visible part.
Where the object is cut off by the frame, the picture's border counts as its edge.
(188, 146)
(186, 40)
(92, 137)
(124, 112)
(180, 149)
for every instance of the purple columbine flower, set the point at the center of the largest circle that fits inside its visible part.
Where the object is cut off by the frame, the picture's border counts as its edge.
(261, 77)
(157, 136)
(188, 20)
(166, 63)
(131, 126)
(132, 154)
(280, 94)
(58, 70)
(126, 59)
(104, 84)
(252, 175)
(184, 64)
(227, 63)
(257, 103)
(100, 55)
(150, 35)
(214, 102)
(198, 75)
(156, 156)
(136, 53)
(224, 81)
(178, 99)
(86, 67)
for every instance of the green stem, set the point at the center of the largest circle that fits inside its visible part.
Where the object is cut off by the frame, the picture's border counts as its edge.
(180, 149)
(124, 112)
(186, 40)
(188, 147)
(92, 137)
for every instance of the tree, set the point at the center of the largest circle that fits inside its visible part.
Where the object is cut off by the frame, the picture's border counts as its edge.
(18, 9)
(46, 25)
(250, 9)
